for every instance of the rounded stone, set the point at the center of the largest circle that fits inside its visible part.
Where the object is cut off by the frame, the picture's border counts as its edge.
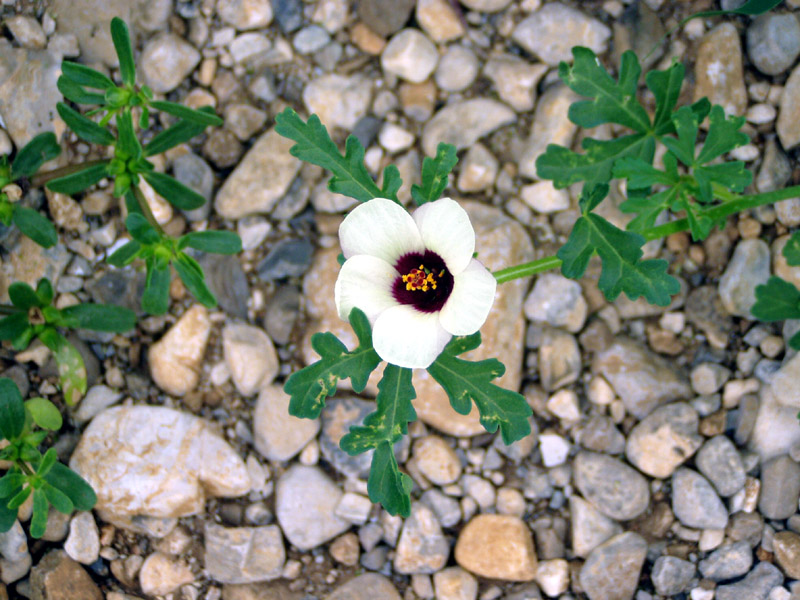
(436, 460)
(457, 69)
(695, 502)
(410, 55)
(786, 545)
(611, 571)
(278, 435)
(175, 359)
(497, 547)
(773, 42)
(614, 488)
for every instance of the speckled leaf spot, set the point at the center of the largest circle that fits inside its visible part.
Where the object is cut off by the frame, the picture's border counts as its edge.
(71, 370)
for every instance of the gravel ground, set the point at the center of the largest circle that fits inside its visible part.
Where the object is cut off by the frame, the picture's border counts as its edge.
(663, 461)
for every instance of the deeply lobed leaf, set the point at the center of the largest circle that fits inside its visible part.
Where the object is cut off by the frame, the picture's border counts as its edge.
(310, 386)
(435, 172)
(466, 382)
(776, 300)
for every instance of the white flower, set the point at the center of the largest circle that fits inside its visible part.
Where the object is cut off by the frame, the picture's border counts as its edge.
(414, 277)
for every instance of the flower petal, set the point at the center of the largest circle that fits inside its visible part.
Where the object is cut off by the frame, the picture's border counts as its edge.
(470, 301)
(446, 229)
(364, 282)
(379, 228)
(405, 337)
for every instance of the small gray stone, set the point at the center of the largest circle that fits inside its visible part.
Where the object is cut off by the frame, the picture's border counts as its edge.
(727, 562)
(589, 528)
(780, 488)
(446, 509)
(664, 440)
(559, 359)
(464, 123)
(515, 80)
(281, 315)
(457, 69)
(369, 586)
(672, 575)
(166, 61)
(287, 258)
(756, 586)
(228, 282)
(642, 379)
(422, 547)
(552, 31)
(288, 14)
(748, 268)
(773, 42)
(337, 417)
(385, 17)
(305, 505)
(338, 101)
(83, 542)
(310, 39)
(788, 125)
(557, 301)
(611, 571)
(244, 554)
(614, 488)
(695, 503)
(97, 399)
(721, 463)
(601, 435)
(775, 171)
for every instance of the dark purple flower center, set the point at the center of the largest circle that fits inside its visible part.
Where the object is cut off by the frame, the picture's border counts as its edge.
(423, 281)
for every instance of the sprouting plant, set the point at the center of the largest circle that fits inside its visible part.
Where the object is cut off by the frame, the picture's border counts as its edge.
(32, 315)
(130, 166)
(50, 482)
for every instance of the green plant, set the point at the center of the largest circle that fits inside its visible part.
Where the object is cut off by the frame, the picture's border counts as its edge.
(130, 165)
(50, 482)
(31, 315)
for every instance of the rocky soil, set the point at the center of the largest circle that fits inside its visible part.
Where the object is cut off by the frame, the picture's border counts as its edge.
(664, 455)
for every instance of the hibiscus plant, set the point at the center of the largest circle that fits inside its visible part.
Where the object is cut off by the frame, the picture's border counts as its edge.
(416, 294)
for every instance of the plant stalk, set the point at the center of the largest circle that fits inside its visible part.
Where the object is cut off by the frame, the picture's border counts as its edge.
(716, 213)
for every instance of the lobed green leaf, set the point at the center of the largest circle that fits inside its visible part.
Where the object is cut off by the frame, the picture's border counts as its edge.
(387, 485)
(314, 145)
(466, 382)
(435, 172)
(791, 251)
(776, 300)
(389, 422)
(310, 386)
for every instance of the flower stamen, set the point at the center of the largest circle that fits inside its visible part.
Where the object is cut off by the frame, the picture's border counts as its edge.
(421, 279)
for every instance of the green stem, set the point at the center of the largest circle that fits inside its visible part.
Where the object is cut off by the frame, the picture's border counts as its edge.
(527, 269)
(717, 213)
(40, 179)
(148, 214)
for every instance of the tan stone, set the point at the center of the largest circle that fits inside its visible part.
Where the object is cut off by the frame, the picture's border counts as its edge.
(497, 547)
(788, 125)
(439, 20)
(367, 40)
(718, 71)
(436, 460)
(260, 180)
(161, 574)
(279, 435)
(176, 358)
(787, 552)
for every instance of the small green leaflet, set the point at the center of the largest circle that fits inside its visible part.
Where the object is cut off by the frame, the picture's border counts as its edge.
(350, 176)
(381, 429)
(620, 252)
(387, 485)
(466, 382)
(435, 173)
(776, 300)
(34, 154)
(35, 226)
(791, 251)
(613, 102)
(309, 386)
(390, 420)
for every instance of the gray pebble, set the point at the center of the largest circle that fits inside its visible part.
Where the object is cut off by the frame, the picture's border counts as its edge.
(780, 488)
(614, 488)
(721, 463)
(727, 562)
(671, 575)
(695, 502)
(756, 586)
(773, 42)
